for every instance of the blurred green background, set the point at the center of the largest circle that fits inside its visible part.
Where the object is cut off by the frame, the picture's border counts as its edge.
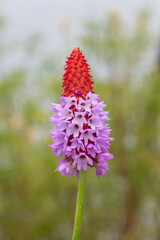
(36, 203)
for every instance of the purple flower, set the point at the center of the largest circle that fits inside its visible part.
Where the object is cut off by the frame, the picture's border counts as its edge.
(69, 101)
(105, 156)
(74, 129)
(103, 132)
(61, 126)
(102, 143)
(77, 144)
(63, 167)
(70, 152)
(59, 138)
(93, 98)
(100, 171)
(84, 105)
(81, 135)
(87, 135)
(65, 114)
(94, 122)
(79, 118)
(92, 150)
(82, 161)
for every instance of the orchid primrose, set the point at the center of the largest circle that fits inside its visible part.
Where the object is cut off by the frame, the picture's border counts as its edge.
(80, 136)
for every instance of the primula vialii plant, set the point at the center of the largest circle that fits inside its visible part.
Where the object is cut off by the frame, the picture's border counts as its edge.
(80, 135)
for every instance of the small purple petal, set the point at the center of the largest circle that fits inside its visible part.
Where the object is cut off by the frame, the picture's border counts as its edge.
(87, 135)
(92, 150)
(74, 129)
(100, 171)
(79, 118)
(84, 105)
(59, 138)
(77, 143)
(95, 122)
(65, 114)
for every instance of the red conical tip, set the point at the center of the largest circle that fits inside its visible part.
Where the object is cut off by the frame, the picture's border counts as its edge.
(77, 80)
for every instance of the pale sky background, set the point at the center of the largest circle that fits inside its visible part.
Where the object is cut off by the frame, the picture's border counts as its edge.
(25, 17)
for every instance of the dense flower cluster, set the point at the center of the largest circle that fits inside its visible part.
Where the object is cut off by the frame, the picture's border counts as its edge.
(80, 134)
(77, 80)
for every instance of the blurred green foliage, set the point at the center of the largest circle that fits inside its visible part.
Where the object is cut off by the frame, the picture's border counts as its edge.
(37, 203)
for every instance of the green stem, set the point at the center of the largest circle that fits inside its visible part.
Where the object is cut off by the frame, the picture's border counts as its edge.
(79, 205)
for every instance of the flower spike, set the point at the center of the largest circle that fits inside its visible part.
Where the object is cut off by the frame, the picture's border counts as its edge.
(80, 133)
(77, 81)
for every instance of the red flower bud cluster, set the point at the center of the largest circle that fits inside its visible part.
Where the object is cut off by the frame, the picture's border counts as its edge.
(77, 81)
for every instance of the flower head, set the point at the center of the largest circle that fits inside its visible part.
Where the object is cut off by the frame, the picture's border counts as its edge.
(80, 133)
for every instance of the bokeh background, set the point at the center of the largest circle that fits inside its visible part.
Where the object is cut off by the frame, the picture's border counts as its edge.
(121, 41)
